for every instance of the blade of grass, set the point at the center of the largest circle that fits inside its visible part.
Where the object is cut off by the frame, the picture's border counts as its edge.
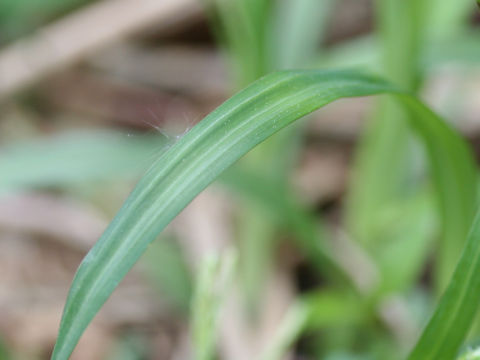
(212, 285)
(256, 243)
(455, 313)
(262, 35)
(299, 27)
(382, 166)
(241, 27)
(219, 140)
(383, 171)
(408, 230)
(312, 312)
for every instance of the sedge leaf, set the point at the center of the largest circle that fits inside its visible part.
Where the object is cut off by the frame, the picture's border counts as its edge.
(218, 141)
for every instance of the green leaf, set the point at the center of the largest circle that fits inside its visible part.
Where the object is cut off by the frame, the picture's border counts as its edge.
(212, 286)
(407, 230)
(74, 158)
(298, 30)
(383, 166)
(219, 140)
(448, 17)
(242, 27)
(459, 50)
(455, 313)
(279, 202)
(166, 267)
(129, 347)
(312, 312)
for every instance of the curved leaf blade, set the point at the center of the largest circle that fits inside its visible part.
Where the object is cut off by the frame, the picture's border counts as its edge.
(219, 140)
(447, 328)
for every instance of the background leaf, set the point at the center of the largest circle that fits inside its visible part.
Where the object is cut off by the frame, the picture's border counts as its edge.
(74, 158)
(456, 311)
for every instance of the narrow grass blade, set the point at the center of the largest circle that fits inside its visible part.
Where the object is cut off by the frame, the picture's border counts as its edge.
(256, 240)
(218, 141)
(288, 332)
(312, 312)
(383, 172)
(408, 230)
(382, 166)
(455, 313)
(299, 28)
(241, 27)
(212, 286)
